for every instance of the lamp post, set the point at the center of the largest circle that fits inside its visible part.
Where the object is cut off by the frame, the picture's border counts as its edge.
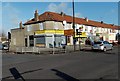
(53, 44)
(54, 39)
(73, 26)
(55, 36)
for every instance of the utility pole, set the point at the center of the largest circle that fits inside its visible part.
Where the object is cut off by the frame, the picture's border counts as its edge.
(74, 40)
(79, 43)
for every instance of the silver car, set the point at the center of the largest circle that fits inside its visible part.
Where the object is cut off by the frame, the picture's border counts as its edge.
(102, 45)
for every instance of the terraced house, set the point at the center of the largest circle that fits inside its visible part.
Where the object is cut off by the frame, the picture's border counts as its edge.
(52, 29)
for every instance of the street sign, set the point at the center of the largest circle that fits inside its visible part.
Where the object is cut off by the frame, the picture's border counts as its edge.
(78, 32)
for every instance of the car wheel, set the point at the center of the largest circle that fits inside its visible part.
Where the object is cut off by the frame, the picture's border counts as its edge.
(104, 49)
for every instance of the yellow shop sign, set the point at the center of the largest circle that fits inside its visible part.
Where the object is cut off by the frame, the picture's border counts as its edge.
(83, 35)
(49, 32)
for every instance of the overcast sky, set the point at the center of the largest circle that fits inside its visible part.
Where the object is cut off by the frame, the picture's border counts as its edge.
(14, 12)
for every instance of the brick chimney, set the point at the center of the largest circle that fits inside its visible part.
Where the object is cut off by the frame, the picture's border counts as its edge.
(36, 15)
(20, 25)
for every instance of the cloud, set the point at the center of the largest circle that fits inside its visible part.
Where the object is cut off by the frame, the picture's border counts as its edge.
(57, 8)
(64, 8)
(78, 15)
(10, 17)
(53, 7)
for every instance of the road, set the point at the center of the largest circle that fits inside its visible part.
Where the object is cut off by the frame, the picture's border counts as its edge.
(76, 65)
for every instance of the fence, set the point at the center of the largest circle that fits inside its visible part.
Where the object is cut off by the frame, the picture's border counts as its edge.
(39, 50)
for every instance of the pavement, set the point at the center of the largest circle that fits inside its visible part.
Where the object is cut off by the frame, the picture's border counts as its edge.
(56, 50)
(74, 65)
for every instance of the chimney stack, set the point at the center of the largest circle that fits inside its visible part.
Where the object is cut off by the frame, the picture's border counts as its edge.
(20, 25)
(101, 22)
(86, 19)
(62, 14)
(112, 24)
(36, 15)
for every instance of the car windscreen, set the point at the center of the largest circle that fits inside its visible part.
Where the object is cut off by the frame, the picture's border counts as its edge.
(97, 42)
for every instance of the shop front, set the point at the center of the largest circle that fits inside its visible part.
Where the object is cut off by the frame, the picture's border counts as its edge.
(49, 38)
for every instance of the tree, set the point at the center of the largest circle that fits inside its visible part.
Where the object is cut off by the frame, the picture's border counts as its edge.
(3, 36)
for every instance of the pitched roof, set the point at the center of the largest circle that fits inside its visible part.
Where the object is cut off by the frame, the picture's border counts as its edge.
(52, 16)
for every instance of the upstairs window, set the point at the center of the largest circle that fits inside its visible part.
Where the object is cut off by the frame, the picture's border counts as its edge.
(41, 26)
(29, 28)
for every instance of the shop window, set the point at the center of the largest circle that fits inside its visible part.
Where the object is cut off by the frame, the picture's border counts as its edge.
(40, 41)
(41, 26)
(29, 28)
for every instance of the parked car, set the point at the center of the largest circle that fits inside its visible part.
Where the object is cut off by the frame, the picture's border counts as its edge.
(102, 45)
(5, 47)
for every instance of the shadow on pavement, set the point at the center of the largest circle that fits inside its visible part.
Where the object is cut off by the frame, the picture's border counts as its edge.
(102, 52)
(64, 75)
(113, 53)
(18, 75)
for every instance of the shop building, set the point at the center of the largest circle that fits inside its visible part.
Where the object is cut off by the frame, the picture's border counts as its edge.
(54, 29)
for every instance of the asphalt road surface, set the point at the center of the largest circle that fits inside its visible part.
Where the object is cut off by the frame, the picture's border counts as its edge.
(73, 65)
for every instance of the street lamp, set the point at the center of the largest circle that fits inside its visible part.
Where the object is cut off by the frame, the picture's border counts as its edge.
(74, 26)
(54, 39)
(56, 28)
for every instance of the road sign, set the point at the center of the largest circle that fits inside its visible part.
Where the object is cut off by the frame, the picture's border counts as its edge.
(78, 32)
